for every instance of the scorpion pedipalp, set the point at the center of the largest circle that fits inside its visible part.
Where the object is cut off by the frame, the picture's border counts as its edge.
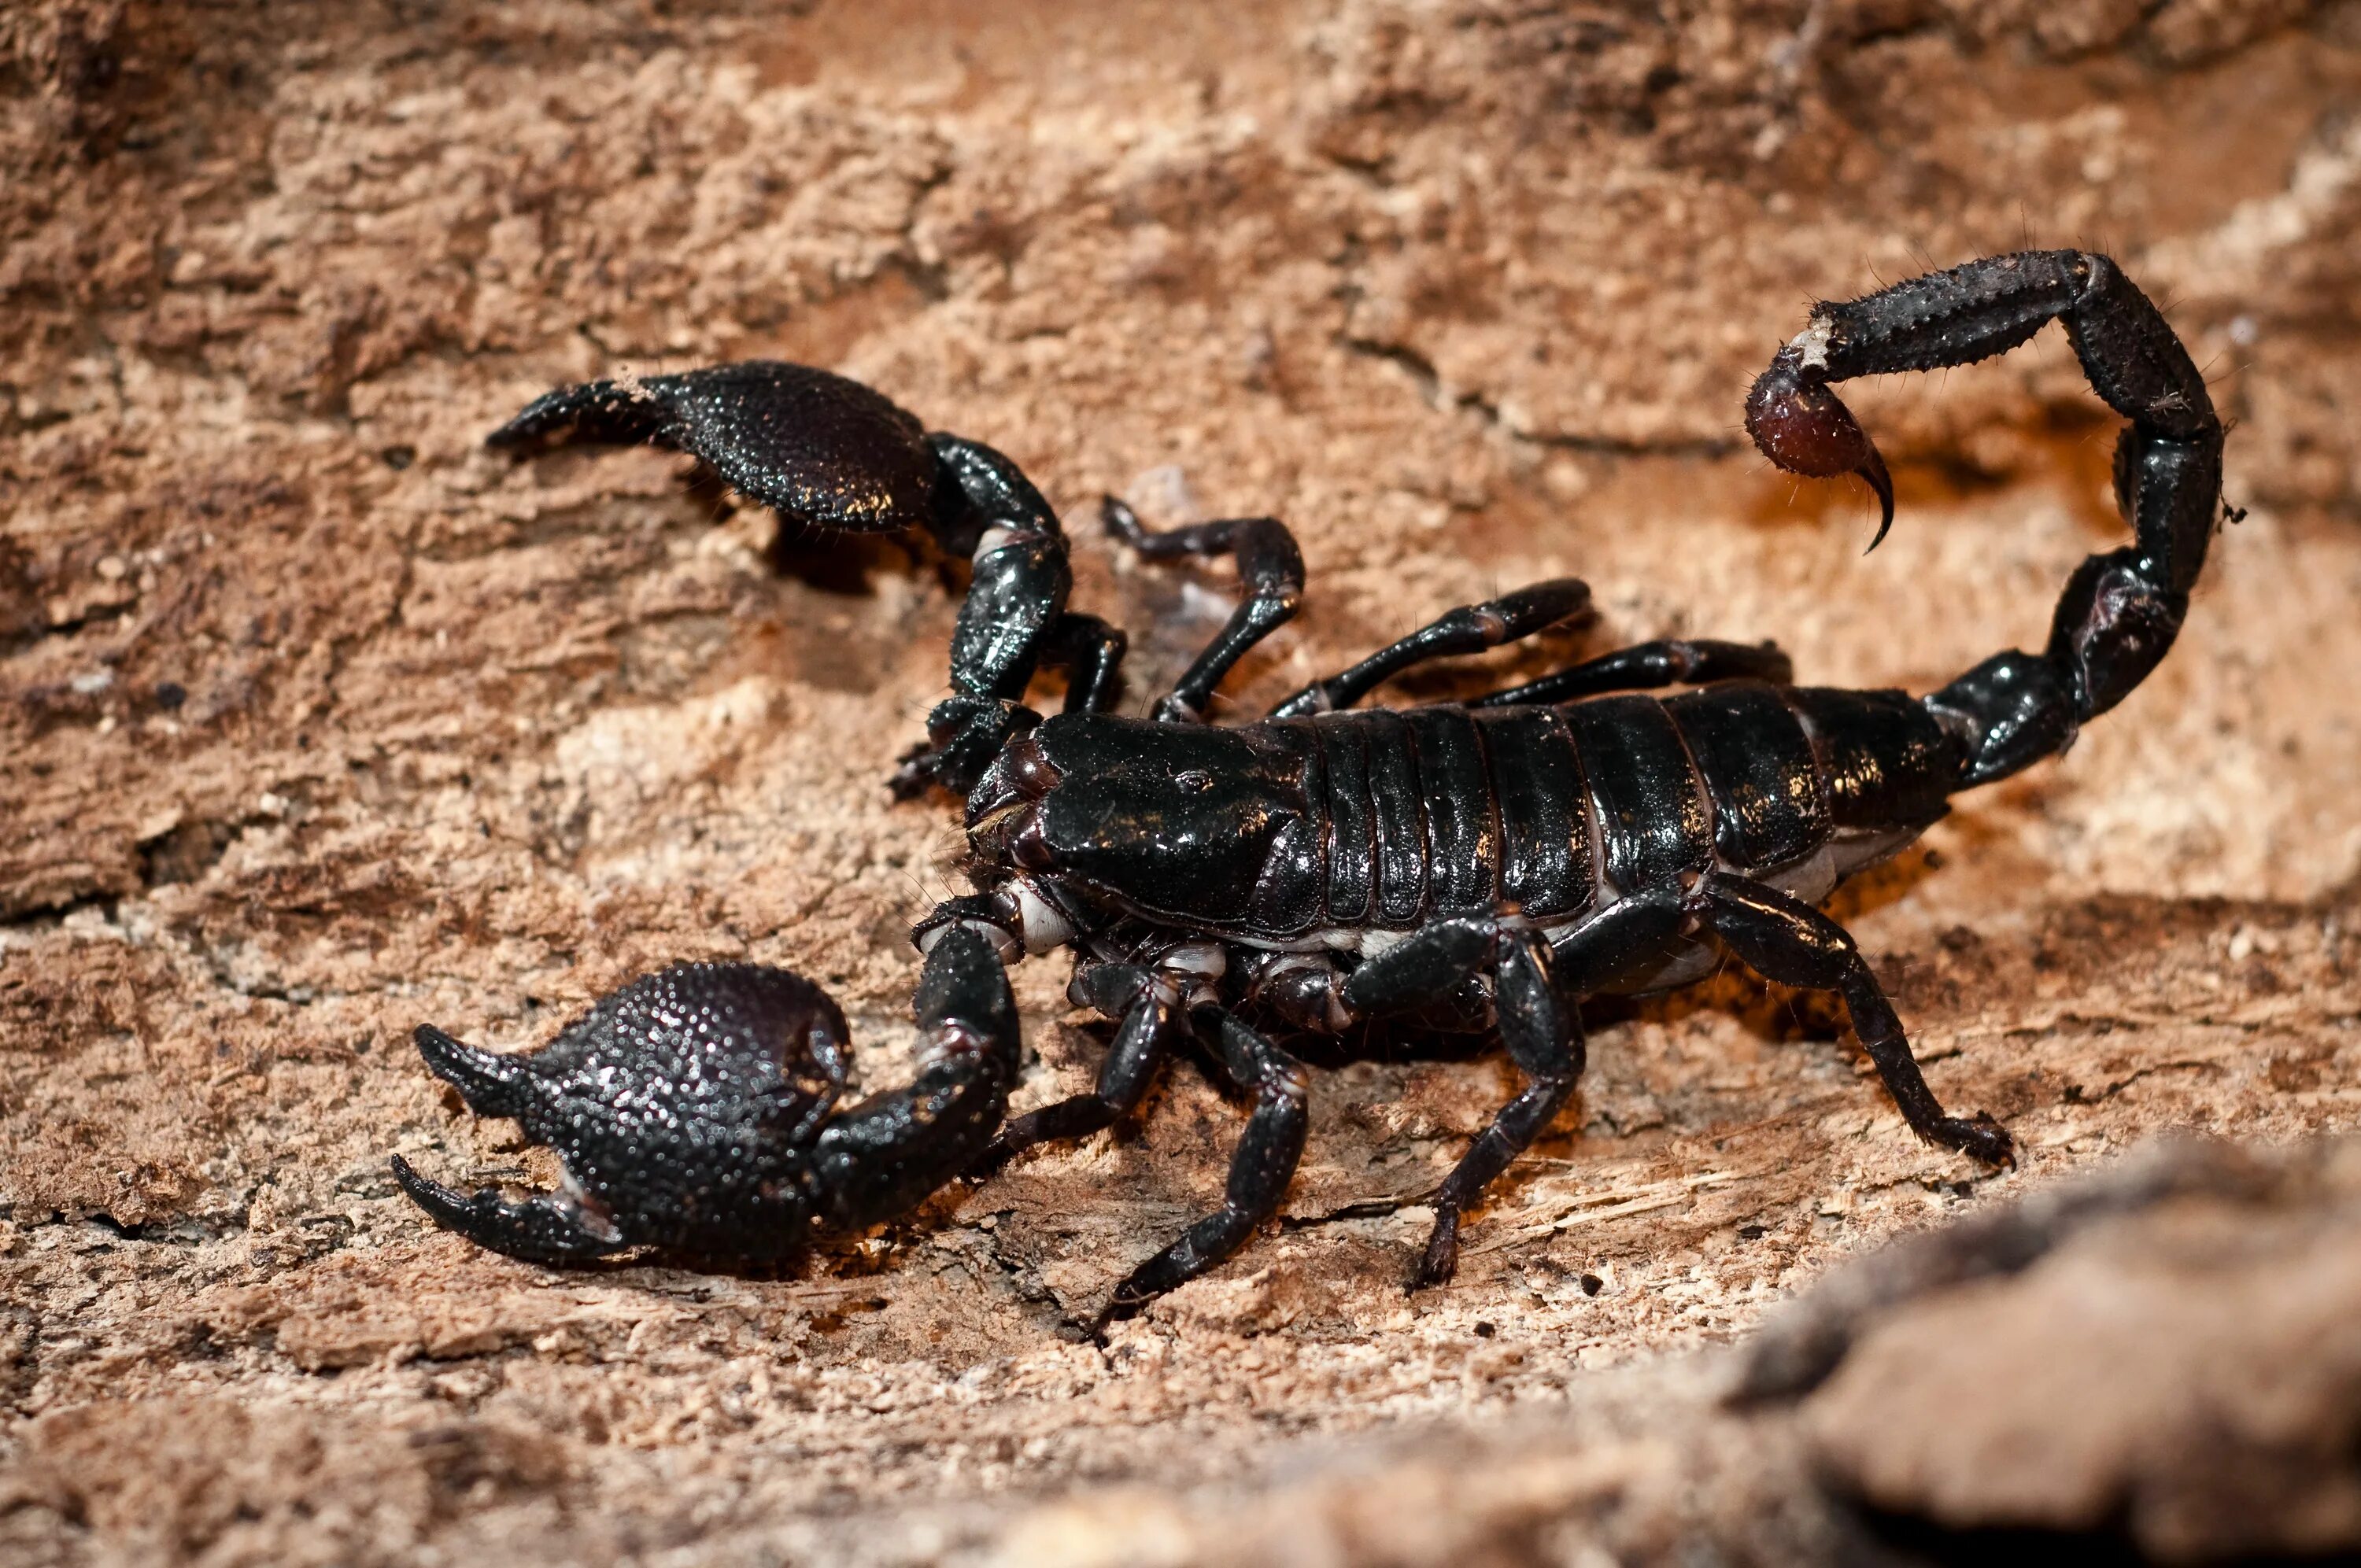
(822, 451)
(697, 1109)
(548, 1227)
(488, 1082)
(831, 456)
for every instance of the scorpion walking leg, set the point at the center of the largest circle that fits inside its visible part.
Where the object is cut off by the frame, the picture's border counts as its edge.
(1470, 629)
(1784, 939)
(1259, 1172)
(1646, 667)
(1544, 1038)
(1630, 937)
(1268, 564)
(1091, 652)
(1426, 966)
(1538, 1024)
(1117, 991)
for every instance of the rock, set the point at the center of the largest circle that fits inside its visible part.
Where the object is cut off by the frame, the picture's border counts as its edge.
(2180, 1365)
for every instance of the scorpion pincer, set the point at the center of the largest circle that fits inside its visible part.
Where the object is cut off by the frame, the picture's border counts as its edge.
(1476, 865)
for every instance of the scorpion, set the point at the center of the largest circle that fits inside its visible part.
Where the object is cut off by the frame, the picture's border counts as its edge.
(1474, 866)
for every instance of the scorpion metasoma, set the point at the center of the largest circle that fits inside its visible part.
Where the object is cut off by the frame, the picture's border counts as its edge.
(1472, 865)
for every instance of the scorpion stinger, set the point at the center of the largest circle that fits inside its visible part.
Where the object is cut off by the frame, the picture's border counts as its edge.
(1473, 866)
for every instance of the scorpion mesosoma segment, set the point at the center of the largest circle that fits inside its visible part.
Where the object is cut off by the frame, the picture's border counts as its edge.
(1464, 865)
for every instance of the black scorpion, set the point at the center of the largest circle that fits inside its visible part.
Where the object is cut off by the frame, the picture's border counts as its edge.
(1461, 865)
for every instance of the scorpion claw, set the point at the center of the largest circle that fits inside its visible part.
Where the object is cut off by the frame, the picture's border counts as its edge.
(612, 412)
(681, 1109)
(696, 1110)
(488, 1082)
(547, 1228)
(821, 451)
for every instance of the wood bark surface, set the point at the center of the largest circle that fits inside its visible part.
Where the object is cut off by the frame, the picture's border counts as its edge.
(318, 721)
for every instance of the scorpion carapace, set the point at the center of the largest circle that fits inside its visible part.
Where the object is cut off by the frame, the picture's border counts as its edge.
(1477, 865)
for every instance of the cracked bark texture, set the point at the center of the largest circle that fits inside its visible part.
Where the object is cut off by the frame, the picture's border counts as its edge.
(318, 721)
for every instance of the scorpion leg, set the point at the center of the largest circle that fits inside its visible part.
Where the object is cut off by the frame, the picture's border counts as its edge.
(1428, 965)
(1787, 940)
(1646, 667)
(1470, 629)
(1117, 991)
(1259, 1172)
(1538, 1024)
(1013, 614)
(1268, 564)
(1091, 652)
(1632, 936)
(1543, 1035)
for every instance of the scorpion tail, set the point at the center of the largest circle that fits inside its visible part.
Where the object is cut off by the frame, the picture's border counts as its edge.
(2121, 610)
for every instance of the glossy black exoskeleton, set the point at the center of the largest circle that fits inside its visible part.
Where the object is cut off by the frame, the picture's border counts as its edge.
(1479, 864)
(697, 1109)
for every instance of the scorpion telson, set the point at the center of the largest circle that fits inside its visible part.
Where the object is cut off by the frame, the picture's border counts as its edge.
(1471, 866)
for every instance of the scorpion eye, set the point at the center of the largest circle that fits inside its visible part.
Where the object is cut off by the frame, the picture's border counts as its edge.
(1196, 780)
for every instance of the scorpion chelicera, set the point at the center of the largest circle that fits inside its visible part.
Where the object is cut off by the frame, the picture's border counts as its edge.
(1466, 865)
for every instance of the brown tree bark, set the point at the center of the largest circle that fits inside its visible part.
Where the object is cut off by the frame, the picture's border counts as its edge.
(317, 721)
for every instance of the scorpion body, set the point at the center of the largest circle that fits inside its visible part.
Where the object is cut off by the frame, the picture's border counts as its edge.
(1344, 832)
(1477, 865)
